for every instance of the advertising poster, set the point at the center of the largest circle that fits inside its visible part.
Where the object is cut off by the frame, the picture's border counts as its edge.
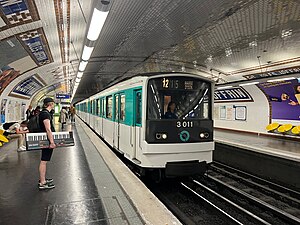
(240, 112)
(23, 110)
(3, 106)
(223, 112)
(284, 98)
(229, 113)
(10, 111)
(216, 112)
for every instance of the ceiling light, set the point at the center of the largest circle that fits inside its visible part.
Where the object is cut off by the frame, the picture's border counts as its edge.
(282, 79)
(224, 87)
(82, 65)
(96, 24)
(228, 51)
(210, 58)
(87, 51)
(79, 74)
(247, 84)
(77, 80)
(286, 33)
(253, 44)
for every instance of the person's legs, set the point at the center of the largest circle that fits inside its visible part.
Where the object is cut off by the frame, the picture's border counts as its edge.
(42, 170)
(20, 138)
(46, 156)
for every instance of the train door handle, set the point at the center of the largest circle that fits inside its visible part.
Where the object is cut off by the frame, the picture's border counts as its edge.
(140, 139)
(131, 136)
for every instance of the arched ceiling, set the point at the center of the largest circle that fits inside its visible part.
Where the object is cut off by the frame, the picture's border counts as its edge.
(225, 40)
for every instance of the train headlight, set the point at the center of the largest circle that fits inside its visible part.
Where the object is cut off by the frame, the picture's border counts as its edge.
(202, 135)
(158, 136)
(164, 136)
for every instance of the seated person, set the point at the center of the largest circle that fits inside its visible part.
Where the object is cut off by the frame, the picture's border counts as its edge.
(18, 130)
(170, 114)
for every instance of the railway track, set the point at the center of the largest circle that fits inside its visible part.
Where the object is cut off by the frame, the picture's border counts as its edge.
(229, 196)
(270, 201)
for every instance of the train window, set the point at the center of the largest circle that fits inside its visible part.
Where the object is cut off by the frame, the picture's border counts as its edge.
(103, 106)
(178, 98)
(138, 119)
(122, 113)
(109, 107)
(98, 107)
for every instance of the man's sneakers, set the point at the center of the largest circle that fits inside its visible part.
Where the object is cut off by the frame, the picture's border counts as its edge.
(22, 148)
(48, 180)
(47, 185)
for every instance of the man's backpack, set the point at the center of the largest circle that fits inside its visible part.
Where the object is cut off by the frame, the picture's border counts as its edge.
(34, 124)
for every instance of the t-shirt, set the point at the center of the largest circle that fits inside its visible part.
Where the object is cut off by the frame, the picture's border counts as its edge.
(45, 114)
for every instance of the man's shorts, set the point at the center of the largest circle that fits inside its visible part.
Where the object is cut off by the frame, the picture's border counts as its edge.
(46, 154)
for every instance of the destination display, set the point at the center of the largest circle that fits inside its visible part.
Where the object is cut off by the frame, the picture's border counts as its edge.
(177, 83)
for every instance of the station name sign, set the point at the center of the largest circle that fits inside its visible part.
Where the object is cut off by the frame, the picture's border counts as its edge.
(233, 94)
(63, 96)
(273, 73)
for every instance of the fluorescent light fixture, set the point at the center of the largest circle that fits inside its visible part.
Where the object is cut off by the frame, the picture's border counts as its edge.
(282, 79)
(96, 25)
(247, 84)
(79, 74)
(77, 80)
(224, 87)
(87, 51)
(82, 65)
(10, 43)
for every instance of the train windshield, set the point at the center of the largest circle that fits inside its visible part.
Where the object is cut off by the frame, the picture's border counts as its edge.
(178, 98)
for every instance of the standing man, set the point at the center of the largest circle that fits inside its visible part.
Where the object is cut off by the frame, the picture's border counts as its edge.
(72, 112)
(29, 112)
(46, 125)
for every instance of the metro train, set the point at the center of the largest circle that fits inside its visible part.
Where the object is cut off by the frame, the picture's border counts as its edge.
(132, 117)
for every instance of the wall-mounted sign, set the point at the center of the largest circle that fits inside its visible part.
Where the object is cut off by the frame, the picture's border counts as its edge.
(273, 73)
(63, 96)
(234, 94)
(26, 88)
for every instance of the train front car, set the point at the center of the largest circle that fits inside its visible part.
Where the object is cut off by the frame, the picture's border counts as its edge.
(179, 125)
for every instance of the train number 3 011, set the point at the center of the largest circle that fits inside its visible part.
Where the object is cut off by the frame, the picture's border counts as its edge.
(184, 124)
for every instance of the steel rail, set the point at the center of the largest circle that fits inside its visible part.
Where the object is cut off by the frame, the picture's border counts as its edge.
(255, 217)
(280, 213)
(278, 194)
(213, 205)
(274, 186)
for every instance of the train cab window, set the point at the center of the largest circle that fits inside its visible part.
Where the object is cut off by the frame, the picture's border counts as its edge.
(109, 107)
(178, 98)
(122, 107)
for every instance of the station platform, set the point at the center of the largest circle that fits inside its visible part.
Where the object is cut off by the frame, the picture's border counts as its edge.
(273, 146)
(92, 187)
